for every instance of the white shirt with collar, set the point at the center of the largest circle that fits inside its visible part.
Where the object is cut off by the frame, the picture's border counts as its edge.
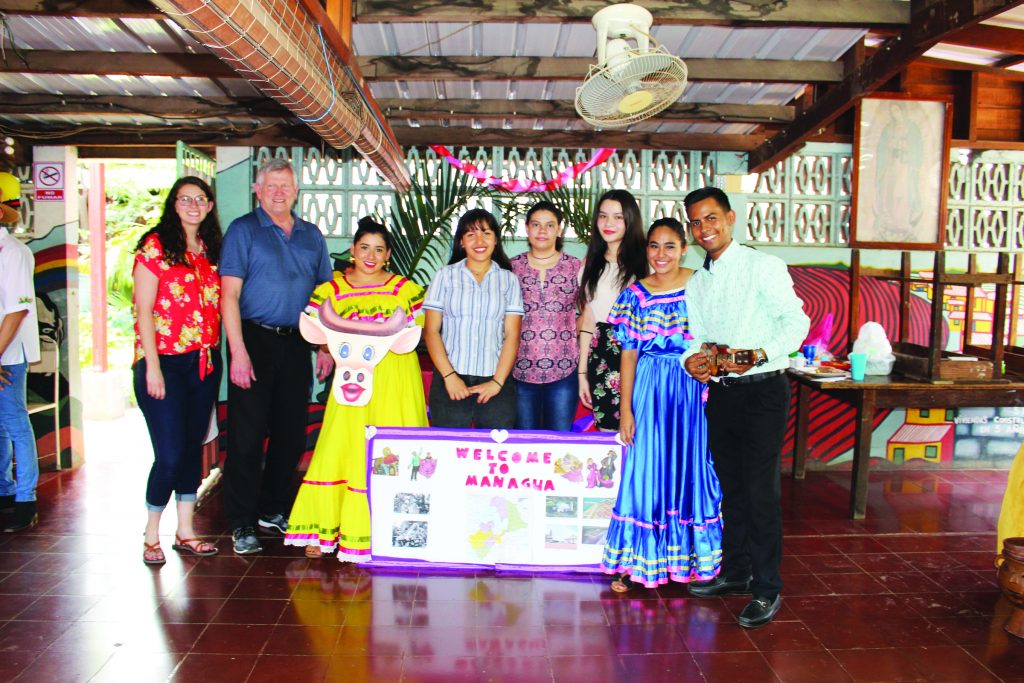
(18, 293)
(745, 299)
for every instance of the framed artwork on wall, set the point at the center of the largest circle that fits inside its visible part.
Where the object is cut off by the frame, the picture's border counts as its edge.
(900, 172)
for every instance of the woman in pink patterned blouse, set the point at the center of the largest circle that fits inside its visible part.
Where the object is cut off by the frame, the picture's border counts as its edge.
(545, 369)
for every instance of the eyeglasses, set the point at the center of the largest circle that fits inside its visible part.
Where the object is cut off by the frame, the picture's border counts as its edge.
(200, 201)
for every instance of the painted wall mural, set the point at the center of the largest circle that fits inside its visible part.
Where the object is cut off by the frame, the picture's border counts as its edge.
(56, 271)
(954, 437)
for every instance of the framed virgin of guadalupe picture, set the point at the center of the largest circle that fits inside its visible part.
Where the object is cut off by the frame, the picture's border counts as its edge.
(900, 172)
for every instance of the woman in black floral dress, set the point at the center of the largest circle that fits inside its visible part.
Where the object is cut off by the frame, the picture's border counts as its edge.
(616, 256)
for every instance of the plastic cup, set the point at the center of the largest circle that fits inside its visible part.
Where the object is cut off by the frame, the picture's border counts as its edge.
(810, 352)
(858, 362)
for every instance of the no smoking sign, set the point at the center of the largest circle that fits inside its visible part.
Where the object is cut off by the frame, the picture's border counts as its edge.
(48, 177)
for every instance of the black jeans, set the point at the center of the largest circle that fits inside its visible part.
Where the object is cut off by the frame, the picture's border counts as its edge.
(273, 410)
(177, 424)
(498, 413)
(746, 426)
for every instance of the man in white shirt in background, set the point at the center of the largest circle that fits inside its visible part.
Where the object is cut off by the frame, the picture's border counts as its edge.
(745, 319)
(19, 346)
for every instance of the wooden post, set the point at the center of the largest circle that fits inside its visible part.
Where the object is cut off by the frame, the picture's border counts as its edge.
(999, 318)
(972, 267)
(864, 427)
(1015, 299)
(935, 333)
(854, 297)
(98, 264)
(905, 300)
(803, 416)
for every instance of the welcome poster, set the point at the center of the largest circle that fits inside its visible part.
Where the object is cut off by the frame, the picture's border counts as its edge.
(496, 498)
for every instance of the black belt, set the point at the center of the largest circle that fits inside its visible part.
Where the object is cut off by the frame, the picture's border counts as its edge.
(749, 379)
(278, 330)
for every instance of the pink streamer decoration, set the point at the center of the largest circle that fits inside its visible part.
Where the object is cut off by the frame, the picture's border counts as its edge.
(600, 156)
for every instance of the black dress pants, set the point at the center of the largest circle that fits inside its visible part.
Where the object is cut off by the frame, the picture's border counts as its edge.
(274, 411)
(498, 413)
(746, 427)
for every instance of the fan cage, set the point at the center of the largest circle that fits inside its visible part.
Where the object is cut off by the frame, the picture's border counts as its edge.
(658, 77)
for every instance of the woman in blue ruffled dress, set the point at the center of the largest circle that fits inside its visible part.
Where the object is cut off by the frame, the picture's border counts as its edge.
(666, 524)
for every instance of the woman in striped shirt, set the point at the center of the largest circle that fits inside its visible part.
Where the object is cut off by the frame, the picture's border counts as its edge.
(474, 310)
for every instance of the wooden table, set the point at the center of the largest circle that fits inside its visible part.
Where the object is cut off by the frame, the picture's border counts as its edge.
(879, 392)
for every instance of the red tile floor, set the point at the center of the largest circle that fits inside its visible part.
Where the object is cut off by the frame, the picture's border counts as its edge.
(906, 595)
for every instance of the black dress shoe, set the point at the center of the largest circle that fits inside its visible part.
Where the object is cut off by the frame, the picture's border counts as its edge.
(719, 586)
(24, 517)
(759, 612)
(6, 503)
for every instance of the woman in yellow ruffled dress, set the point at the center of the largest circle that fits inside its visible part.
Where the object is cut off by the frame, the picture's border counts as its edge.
(332, 509)
(1011, 516)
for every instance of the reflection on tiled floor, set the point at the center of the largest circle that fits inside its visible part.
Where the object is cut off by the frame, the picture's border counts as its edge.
(907, 595)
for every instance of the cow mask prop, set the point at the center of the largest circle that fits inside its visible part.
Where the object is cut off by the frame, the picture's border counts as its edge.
(357, 346)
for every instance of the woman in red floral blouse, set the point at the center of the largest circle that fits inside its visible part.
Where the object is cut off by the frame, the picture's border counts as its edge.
(177, 363)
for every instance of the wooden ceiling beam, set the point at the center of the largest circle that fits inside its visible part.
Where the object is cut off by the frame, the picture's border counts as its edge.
(868, 13)
(575, 69)
(931, 24)
(137, 152)
(1007, 62)
(995, 38)
(683, 111)
(112, 136)
(109, 105)
(463, 135)
(175, 65)
(1001, 72)
(90, 9)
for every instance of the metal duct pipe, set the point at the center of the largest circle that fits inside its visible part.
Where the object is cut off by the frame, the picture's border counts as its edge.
(290, 56)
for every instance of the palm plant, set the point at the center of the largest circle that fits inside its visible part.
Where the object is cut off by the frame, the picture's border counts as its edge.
(422, 218)
(575, 199)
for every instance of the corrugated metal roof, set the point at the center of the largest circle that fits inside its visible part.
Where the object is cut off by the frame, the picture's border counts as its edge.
(99, 35)
(920, 434)
(572, 39)
(579, 40)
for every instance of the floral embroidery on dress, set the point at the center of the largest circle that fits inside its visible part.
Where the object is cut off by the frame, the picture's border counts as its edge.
(603, 376)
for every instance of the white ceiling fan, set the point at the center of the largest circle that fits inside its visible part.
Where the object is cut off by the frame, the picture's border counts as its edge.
(632, 80)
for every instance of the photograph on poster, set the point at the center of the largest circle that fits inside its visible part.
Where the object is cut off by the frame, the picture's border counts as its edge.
(561, 506)
(594, 535)
(598, 508)
(561, 536)
(412, 503)
(409, 534)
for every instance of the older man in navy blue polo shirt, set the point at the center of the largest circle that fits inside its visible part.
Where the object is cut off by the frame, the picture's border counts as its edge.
(270, 262)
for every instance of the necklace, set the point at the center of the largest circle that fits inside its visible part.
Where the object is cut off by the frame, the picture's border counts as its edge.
(542, 258)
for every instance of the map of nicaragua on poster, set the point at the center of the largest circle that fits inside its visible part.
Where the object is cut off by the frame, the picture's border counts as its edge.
(494, 498)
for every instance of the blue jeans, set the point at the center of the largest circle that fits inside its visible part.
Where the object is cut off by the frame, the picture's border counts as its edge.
(16, 430)
(177, 424)
(547, 406)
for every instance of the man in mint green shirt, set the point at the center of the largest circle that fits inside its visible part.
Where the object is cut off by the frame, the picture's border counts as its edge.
(742, 301)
